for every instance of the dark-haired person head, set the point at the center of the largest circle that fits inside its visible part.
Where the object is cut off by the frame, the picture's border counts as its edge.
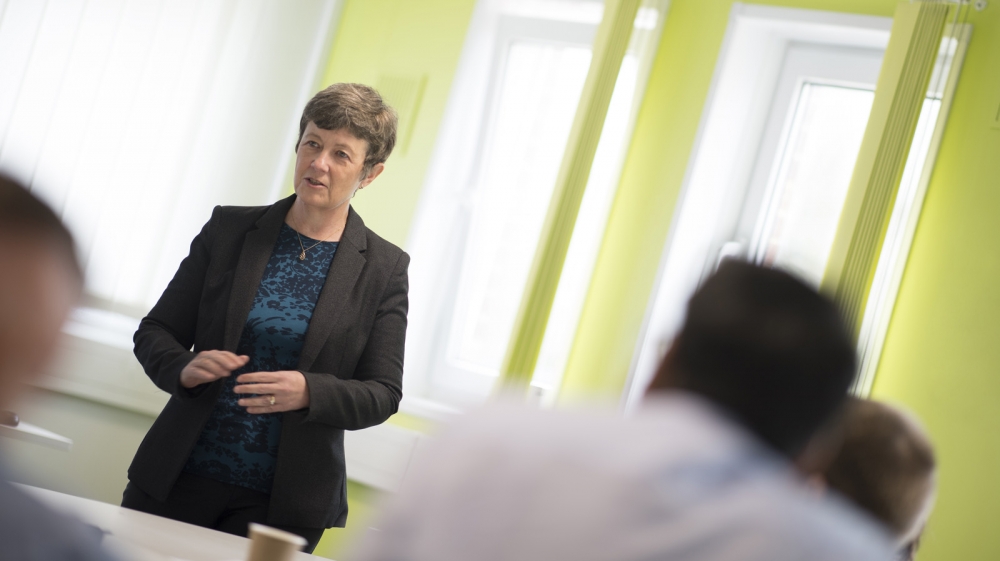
(283, 328)
(701, 472)
(765, 347)
(40, 281)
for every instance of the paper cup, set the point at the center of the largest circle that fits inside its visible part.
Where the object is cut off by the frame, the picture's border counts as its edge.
(271, 544)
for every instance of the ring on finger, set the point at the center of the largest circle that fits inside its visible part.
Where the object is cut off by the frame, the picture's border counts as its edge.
(271, 399)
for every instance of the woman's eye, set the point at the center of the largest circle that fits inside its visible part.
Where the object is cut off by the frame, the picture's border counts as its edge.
(343, 154)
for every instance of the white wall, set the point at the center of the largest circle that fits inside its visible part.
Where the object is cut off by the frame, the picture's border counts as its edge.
(104, 441)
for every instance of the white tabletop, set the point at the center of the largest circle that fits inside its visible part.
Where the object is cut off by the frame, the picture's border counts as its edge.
(38, 435)
(137, 535)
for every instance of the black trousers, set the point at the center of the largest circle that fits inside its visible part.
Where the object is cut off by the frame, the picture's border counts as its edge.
(213, 504)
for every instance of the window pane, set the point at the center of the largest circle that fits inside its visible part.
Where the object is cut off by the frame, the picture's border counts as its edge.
(813, 175)
(538, 95)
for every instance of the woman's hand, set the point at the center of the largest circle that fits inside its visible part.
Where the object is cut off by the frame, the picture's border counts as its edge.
(209, 366)
(285, 390)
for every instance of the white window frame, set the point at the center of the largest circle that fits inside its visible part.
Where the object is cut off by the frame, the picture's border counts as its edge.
(432, 387)
(848, 67)
(445, 205)
(468, 380)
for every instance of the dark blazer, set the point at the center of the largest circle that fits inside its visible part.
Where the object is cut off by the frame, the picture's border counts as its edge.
(352, 357)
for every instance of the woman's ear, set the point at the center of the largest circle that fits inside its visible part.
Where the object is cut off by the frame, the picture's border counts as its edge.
(372, 174)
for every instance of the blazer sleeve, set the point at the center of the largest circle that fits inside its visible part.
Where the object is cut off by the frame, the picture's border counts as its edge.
(165, 336)
(373, 395)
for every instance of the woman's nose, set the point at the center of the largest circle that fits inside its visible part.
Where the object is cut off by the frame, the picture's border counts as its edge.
(321, 162)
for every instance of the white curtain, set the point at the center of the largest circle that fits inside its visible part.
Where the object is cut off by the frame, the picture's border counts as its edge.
(133, 118)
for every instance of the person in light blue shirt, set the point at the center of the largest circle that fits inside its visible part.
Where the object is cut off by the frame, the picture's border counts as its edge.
(702, 472)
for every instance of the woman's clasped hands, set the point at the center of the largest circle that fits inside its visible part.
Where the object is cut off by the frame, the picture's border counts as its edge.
(284, 390)
(265, 392)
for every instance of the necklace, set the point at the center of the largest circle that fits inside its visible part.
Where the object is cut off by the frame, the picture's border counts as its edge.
(302, 256)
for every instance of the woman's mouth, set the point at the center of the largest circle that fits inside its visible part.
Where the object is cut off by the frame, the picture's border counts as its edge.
(313, 182)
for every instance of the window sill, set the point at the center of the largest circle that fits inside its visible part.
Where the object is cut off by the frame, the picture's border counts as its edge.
(428, 409)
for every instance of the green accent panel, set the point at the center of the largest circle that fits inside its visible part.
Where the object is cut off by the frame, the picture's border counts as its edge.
(651, 182)
(902, 86)
(941, 358)
(410, 50)
(529, 328)
(337, 543)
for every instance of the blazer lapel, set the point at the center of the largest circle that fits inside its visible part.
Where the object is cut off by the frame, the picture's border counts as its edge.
(344, 271)
(257, 247)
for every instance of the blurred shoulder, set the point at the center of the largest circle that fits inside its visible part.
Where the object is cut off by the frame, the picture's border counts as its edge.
(677, 480)
(820, 528)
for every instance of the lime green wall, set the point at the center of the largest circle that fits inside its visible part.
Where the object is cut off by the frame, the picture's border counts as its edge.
(941, 356)
(362, 506)
(379, 39)
(651, 181)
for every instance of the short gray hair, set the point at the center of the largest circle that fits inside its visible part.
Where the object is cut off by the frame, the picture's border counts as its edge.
(360, 110)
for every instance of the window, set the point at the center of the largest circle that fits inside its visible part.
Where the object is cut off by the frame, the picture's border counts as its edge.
(133, 119)
(537, 93)
(774, 158)
(809, 144)
(772, 189)
(811, 176)
(487, 194)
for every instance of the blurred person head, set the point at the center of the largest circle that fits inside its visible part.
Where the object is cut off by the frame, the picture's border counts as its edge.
(359, 110)
(40, 280)
(765, 347)
(885, 466)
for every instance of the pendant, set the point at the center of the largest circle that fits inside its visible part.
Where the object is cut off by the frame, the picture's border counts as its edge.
(302, 256)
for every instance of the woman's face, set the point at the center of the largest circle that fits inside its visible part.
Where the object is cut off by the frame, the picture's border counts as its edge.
(328, 167)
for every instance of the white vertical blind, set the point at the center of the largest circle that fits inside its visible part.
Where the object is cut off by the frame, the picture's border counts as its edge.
(133, 118)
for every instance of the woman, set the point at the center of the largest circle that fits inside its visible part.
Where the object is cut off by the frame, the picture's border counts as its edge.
(297, 315)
